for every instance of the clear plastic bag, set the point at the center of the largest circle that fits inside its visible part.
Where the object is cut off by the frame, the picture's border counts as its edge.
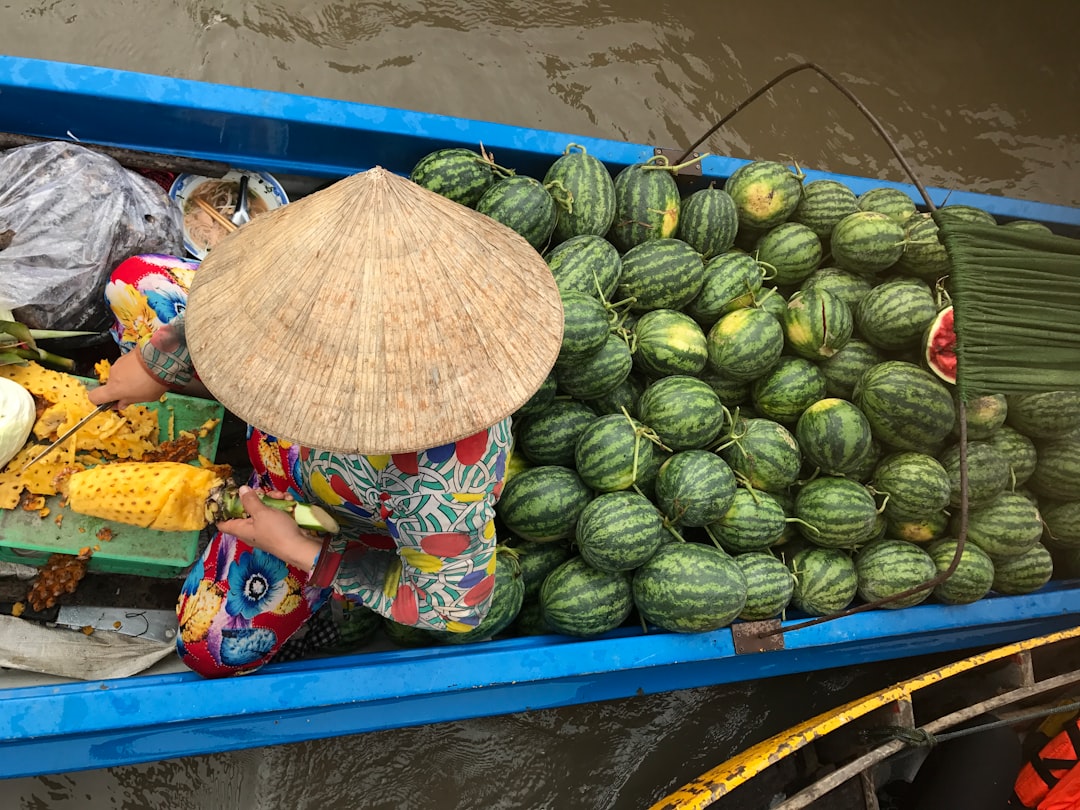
(68, 217)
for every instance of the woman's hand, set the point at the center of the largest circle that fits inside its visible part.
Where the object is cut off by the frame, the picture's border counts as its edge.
(273, 531)
(129, 382)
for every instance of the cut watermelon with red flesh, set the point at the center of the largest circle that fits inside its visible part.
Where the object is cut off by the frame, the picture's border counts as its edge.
(940, 353)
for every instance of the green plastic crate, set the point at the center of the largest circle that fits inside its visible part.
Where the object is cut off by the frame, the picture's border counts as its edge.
(27, 538)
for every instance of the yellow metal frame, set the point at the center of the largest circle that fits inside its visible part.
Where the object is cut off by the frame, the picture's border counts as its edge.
(727, 776)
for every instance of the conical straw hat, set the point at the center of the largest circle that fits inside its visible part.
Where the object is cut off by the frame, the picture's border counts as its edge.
(373, 316)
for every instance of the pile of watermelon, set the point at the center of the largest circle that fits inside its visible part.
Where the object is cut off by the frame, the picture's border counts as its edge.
(752, 413)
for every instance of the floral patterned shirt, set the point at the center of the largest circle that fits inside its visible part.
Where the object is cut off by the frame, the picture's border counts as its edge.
(417, 538)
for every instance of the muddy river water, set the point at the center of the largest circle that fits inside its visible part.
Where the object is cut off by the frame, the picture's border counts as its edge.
(980, 96)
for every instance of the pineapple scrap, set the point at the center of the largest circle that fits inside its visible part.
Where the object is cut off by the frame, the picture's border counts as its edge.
(62, 400)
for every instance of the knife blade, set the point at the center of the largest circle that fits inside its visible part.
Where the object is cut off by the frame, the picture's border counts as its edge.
(104, 406)
(159, 625)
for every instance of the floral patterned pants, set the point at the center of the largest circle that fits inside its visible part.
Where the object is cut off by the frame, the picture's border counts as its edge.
(417, 542)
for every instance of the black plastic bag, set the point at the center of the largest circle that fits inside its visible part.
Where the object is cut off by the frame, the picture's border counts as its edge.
(68, 217)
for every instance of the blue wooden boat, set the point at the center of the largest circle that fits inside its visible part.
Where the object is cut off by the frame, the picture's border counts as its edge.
(49, 727)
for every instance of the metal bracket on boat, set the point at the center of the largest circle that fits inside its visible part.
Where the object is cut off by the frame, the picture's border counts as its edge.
(755, 637)
(693, 170)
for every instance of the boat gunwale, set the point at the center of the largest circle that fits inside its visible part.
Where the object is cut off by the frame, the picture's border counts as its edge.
(315, 684)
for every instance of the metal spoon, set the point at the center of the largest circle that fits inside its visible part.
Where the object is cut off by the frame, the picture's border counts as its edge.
(240, 214)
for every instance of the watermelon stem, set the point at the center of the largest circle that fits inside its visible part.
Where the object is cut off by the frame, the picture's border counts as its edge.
(489, 160)
(798, 169)
(643, 431)
(565, 199)
(768, 270)
(644, 626)
(754, 496)
(661, 162)
(715, 541)
(802, 522)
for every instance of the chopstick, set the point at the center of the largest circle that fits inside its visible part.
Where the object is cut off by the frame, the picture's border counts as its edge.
(217, 216)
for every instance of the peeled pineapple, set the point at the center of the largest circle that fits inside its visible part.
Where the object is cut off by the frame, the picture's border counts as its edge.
(171, 496)
(164, 495)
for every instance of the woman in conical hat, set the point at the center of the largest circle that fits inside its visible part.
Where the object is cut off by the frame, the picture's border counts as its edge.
(377, 338)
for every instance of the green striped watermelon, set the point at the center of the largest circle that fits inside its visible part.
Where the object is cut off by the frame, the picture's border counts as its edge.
(907, 407)
(530, 620)
(745, 344)
(669, 342)
(461, 175)
(585, 326)
(619, 531)
(843, 370)
(732, 392)
(924, 256)
(584, 187)
(646, 204)
(889, 201)
(708, 221)
(824, 203)
(849, 287)
(1062, 521)
(536, 561)
(660, 274)
(543, 503)
(972, 578)
(613, 453)
(586, 264)
(966, 213)
(764, 453)
(817, 324)
(919, 530)
(754, 521)
(825, 580)
(405, 635)
(983, 415)
(596, 375)
(1027, 225)
(729, 282)
(914, 485)
(793, 251)
(624, 395)
(1006, 527)
(769, 585)
(523, 205)
(863, 470)
(867, 242)
(543, 397)
(988, 473)
(550, 436)
(895, 314)
(772, 301)
(834, 436)
(1018, 450)
(765, 193)
(689, 588)
(578, 600)
(886, 568)
(1057, 470)
(684, 411)
(836, 512)
(787, 389)
(1044, 415)
(1025, 573)
(694, 488)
